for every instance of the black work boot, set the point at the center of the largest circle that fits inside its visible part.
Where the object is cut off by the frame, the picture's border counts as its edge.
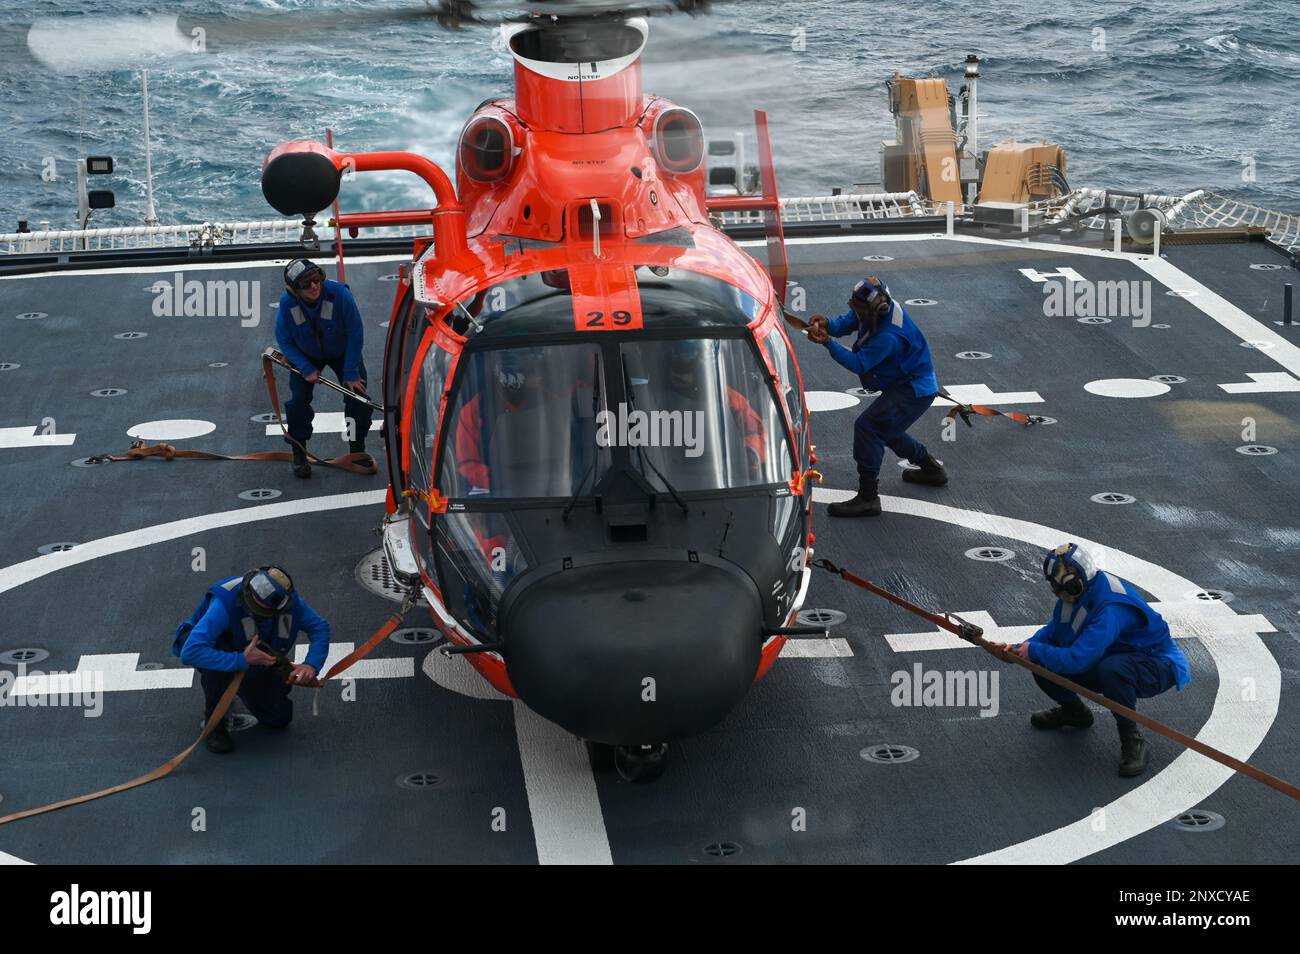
(1075, 714)
(219, 740)
(301, 468)
(865, 504)
(1134, 752)
(930, 472)
(359, 447)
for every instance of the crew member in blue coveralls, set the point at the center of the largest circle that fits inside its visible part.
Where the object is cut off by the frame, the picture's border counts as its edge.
(225, 634)
(1105, 637)
(889, 355)
(319, 326)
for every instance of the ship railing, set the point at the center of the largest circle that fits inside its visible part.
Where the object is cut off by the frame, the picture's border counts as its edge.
(1201, 209)
(850, 207)
(197, 235)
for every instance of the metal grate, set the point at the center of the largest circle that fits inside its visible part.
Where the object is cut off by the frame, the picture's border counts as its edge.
(415, 636)
(1168, 378)
(1112, 498)
(821, 617)
(419, 781)
(26, 656)
(1212, 596)
(1256, 450)
(62, 547)
(973, 355)
(991, 554)
(722, 849)
(259, 493)
(9, 366)
(890, 754)
(108, 392)
(131, 335)
(1198, 819)
(374, 574)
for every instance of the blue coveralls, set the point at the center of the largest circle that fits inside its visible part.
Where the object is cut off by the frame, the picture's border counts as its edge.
(1110, 641)
(327, 334)
(215, 647)
(895, 360)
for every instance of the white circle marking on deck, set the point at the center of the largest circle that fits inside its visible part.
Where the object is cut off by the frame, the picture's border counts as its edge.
(175, 430)
(1126, 388)
(829, 400)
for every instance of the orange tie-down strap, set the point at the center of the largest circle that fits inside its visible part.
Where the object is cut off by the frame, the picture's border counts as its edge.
(974, 635)
(966, 410)
(219, 713)
(140, 450)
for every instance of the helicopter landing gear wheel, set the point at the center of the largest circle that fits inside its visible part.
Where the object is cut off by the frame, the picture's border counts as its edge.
(601, 755)
(641, 763)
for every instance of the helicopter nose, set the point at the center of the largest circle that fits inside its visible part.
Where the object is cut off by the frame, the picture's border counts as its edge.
(634, 653)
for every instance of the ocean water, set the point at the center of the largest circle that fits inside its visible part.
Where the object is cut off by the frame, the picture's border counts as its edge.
(1167, 96)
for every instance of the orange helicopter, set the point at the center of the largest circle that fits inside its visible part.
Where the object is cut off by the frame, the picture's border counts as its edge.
(597, 440)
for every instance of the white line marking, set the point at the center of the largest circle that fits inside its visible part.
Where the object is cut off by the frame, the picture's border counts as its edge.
(119, 675)
(27, 437)
(19, 573)
(568, 824)
(1064, 272)
(325, 422)
(833, 648)
(1264, 382)
(1184, 619)
(983, 394)
(1227, 314)
(393, 667)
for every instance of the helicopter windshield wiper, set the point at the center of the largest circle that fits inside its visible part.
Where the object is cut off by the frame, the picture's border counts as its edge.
(631, 403)
(595, 451)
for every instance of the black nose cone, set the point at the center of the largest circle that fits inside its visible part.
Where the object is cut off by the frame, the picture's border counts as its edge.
(634, 653)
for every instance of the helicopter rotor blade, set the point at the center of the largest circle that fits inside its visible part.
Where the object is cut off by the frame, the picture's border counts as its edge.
(76, 44)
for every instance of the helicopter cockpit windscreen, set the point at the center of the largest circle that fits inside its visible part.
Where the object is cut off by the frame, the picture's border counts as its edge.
(524, 423)
(700, 414)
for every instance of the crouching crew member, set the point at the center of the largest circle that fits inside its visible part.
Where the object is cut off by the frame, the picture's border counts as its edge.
(889, 355)
(229, 631)
(318, 326)
(1105, 637)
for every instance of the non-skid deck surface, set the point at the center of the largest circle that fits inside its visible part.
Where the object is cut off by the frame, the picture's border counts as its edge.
(782, 777)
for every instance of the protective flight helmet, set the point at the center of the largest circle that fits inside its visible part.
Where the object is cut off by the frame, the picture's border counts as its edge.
(296, 271)
(1068, 570)
(267, 592)
(519, 370)
(870, 301)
